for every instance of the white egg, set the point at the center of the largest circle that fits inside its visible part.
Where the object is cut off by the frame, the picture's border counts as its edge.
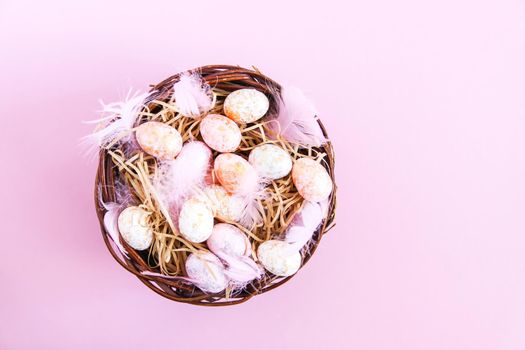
(271, 161)
(246, 105)
(277, 258)
(195, 220)
(159, 140)
(228, 239)
(311, 180)
(224, 205)
(207, 271)
(134, 228)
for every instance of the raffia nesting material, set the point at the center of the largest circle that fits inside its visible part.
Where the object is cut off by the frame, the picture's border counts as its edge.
(130, 169)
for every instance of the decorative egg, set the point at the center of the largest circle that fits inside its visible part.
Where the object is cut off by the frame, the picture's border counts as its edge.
(134, 228)
(271, 161)
(228, 239)
(246, 105)
(277, 258)
(207, 271)
(235, 173)
(311, 180)
(195, 220)
(159, 140)
(220, 133)
(224, 205)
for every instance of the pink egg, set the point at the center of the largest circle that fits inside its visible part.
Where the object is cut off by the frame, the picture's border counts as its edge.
(220, 133)
(229, 240)
(159, 140)
(311, 180)
(235, 173)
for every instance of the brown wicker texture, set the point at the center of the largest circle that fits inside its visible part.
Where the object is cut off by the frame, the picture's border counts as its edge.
(228, 78)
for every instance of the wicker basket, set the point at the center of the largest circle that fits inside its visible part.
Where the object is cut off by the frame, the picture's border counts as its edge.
(228, 78)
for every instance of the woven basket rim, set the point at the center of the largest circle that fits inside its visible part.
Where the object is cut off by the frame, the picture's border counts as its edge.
(230, 78)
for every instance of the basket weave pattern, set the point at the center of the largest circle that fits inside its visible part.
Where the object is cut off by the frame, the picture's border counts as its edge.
(227, 78)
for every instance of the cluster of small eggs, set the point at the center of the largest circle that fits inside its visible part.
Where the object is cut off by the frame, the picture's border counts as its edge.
(235, 176)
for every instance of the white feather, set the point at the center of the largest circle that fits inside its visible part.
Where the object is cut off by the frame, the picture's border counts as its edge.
(252, 210)
(192, 96)
(118, 118)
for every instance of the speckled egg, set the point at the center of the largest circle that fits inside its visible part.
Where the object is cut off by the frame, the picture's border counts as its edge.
(235, 173)
(246, 105)
(311, 180)
(223, 204)
(195, 220)
(220, 133)
(276, 257)
(159, 140)
(207, 271)
(271, 161)
(134, 228)
(228, 239)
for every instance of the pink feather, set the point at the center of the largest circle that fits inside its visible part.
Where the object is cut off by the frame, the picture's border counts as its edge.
(111, 224)
(113, 210)
(177, 179)
(297, 119)
(305, 225)
(192, 96)
(240, 268)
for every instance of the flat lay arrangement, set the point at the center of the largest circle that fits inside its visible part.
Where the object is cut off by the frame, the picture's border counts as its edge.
(215, 186)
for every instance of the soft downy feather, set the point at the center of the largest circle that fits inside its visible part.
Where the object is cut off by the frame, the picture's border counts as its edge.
(118, 119)
(251, 197)
(111, 223)
(251, 214)
(251, 191)
(297, 119)
(192, 96)
(178, 179)
(240, 269)
(113, 210)
(303, 228)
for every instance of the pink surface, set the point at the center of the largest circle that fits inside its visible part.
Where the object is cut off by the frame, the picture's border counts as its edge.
(425, 103)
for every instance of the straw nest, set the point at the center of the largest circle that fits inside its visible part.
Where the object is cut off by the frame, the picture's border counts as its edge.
(131, 170)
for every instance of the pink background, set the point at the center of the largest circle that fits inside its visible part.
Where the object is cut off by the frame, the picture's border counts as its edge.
(425, 102)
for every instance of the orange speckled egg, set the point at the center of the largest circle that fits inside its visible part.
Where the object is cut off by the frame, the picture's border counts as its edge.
(235, 173)
(220, 133)
(159, 140)
(246, 105)
(311, 180)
